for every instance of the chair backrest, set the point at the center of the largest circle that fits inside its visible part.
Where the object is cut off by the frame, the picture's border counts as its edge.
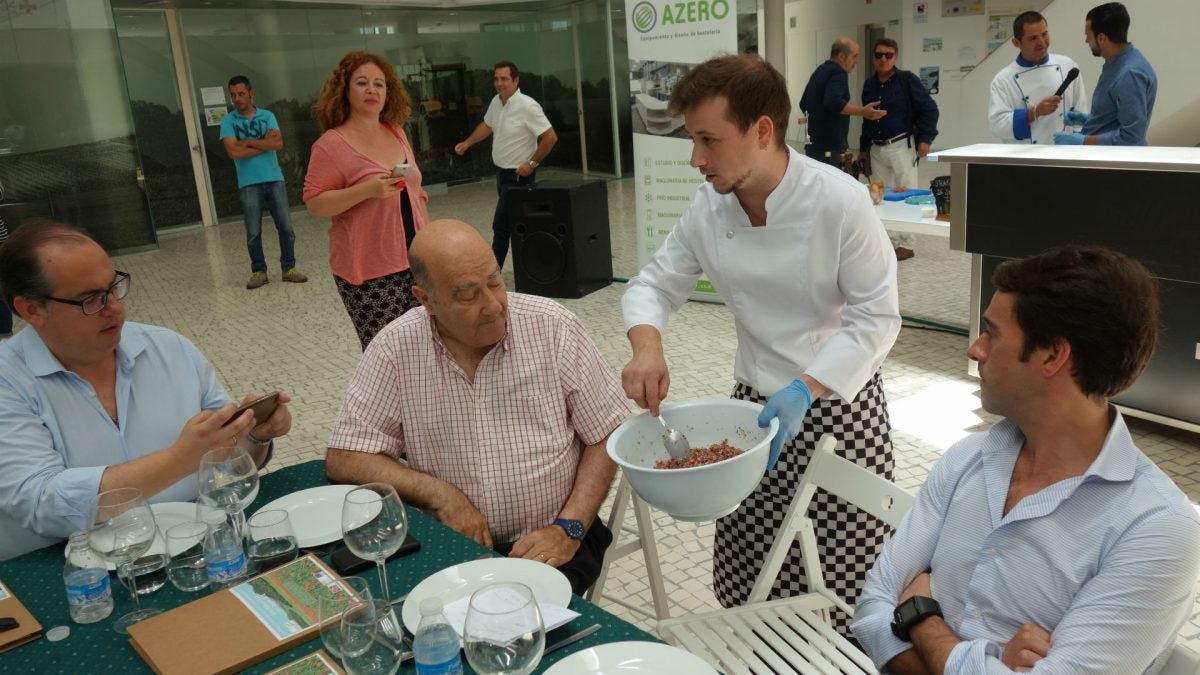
(840, 477)
(1183, 661)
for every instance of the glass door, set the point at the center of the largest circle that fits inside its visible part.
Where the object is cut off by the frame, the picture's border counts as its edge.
(165, 162)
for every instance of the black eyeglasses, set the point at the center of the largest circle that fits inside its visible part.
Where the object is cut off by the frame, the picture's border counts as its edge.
(885, 55)
(95, 302)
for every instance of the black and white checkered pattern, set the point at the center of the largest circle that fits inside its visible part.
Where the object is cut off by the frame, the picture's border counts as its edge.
(848, 539)
(375, 303)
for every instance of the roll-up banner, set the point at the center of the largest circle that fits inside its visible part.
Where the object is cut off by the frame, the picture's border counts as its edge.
(666, 39)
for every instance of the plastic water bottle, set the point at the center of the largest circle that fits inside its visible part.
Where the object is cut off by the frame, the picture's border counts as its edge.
(89, 593)
(224, 557)
(435, 647)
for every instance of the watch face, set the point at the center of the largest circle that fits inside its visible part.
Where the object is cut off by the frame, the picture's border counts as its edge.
(573, 528)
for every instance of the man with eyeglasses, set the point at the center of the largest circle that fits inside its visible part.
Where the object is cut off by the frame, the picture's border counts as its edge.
(1022, 105)
(90, 402)
(893, 145)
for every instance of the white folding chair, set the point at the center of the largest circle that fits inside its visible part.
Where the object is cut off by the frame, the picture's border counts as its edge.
(793, 634)
(1183, 661)
(627, 541)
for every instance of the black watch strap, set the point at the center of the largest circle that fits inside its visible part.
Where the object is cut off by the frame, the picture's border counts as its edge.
(912, 612)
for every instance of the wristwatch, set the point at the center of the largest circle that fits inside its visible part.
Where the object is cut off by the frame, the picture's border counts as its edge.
(532, 164)
(912, 612)
(573, 528)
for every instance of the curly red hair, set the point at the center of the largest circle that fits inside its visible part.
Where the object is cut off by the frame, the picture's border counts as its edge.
(332, 108)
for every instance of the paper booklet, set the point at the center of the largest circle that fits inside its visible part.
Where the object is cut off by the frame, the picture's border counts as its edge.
(240, 626)
(28, 628)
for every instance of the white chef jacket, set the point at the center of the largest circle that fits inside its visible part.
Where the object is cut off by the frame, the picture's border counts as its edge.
(1019, 86)
(813, 292)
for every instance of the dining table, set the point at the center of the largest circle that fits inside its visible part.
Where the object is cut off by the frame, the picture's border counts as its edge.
(36, 580)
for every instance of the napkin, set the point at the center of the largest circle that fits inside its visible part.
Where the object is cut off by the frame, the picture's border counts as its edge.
(553, 616)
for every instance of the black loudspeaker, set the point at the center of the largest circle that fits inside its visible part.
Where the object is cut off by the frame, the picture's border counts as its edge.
(560, 241)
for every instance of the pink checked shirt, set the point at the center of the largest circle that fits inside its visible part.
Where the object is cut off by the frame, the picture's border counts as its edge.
(512, 440)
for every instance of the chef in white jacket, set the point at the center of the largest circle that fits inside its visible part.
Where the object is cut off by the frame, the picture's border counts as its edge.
(1023, 107)
(796, 252)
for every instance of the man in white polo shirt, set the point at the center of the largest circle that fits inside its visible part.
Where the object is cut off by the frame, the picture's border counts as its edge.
(523, 139)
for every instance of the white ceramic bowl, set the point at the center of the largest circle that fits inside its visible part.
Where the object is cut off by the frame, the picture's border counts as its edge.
(697, 493)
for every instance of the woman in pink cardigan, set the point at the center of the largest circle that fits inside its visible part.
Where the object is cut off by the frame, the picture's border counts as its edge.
(363, 175)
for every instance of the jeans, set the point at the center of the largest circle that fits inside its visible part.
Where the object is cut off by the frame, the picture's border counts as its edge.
(506, 180)
(274, 194)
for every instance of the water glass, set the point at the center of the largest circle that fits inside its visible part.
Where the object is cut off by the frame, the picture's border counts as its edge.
(149, 572)
(503, 633)
(374, 525)
(330, 607)
(185, 546)
(121, 530)
(371, 642)
(228, 480)
(271, 540)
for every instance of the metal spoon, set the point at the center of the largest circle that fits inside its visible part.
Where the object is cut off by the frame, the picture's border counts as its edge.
(676, 443)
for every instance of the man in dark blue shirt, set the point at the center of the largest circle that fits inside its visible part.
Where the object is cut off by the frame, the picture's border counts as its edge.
(1124, 96)
(826, 101)
(896, 142)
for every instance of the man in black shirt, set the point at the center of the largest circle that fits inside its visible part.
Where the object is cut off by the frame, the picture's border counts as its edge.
(897, 142)
(826, 101)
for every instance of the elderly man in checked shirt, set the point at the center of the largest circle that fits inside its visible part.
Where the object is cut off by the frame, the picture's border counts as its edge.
(1049, 543)
(500, 403)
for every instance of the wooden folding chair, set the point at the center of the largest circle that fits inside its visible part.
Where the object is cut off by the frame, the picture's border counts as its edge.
(793, 634)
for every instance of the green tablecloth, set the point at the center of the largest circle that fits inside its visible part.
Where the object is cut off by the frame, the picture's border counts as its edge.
(36, 578)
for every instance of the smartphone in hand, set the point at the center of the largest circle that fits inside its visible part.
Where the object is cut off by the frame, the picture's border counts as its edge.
(262, 407)
(400, 170)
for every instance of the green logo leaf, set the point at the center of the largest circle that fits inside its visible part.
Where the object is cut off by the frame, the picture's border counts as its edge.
(644, 17)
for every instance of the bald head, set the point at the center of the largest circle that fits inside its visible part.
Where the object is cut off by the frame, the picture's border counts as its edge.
(443, 245)
(843, 46)
(457, 281)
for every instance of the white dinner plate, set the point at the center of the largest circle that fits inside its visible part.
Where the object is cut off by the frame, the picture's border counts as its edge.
(548, 584)
(166, 516)
(625, 658)
(315, 513)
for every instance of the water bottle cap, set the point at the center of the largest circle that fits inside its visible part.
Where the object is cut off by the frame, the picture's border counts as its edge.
(431, 605)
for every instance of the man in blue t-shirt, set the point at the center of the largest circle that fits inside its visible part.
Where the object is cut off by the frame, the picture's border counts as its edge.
(251, 137)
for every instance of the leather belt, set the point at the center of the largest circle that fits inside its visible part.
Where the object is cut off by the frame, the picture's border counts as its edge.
(894, 139)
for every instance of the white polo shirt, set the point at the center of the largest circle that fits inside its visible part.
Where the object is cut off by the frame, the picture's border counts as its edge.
(515, 126)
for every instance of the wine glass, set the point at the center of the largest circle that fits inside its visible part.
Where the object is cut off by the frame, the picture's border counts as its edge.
(272, 542)
(374, 525)
(503, 633)
(371, 644)
(349, 592)
(121, 530)
(228, 480)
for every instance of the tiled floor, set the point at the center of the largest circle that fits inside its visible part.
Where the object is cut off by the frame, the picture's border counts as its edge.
(297, 338)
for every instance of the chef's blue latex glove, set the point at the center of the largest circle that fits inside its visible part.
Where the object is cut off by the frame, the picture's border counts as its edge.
(1075, 117)
(1068, 138)
(790, 405)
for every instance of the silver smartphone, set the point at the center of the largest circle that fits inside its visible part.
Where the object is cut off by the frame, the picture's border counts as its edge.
(400, 170)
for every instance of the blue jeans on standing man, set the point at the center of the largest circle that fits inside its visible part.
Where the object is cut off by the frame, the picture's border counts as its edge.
(506, 180)
(274, 194)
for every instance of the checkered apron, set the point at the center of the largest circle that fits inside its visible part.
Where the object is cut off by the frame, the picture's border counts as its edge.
(848, 539)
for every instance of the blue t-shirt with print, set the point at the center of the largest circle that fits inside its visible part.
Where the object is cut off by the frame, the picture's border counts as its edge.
(263, 167)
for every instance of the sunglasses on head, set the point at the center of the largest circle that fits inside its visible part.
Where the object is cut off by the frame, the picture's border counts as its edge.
(885, 55)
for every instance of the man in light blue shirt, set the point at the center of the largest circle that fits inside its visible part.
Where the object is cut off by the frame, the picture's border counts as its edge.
(1049, 542)
(1125, 93)
(251, 138)
(90, 403)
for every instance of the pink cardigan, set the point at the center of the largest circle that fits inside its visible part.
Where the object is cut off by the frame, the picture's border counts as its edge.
(366, 241)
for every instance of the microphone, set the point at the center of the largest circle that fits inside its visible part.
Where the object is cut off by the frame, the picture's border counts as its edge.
(1071, 75)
